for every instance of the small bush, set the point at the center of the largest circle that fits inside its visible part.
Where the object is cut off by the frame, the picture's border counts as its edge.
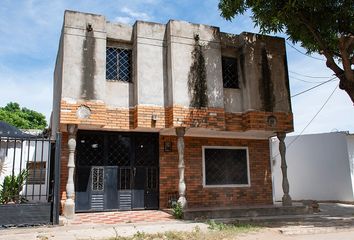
(11, 188)
(177, 210)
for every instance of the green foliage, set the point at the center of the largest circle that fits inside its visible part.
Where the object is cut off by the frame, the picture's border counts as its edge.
(11, 187)
(219, 226)
(197, 86)
(177, 210)
(329, 18)
(322, 26)
(23, 118)
(227, 231)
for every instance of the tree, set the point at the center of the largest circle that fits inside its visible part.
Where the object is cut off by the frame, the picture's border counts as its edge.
(322, 26)
(22, 118)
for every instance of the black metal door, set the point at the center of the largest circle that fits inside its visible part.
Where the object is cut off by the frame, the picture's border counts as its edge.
(116, 171)
(145, 172)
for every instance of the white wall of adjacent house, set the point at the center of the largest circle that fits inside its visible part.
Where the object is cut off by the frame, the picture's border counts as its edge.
(19, 158)
(350, 142)
(320, 167)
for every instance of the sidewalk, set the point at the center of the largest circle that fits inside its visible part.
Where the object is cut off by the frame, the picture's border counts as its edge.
(335, 221)
(103, 231)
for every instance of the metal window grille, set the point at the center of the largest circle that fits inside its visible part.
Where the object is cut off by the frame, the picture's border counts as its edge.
(229, 72)
(118, 64)
(151, 178)
(225, 166)
(97, 179)
(90, 150)
(118, 151)
(125, 181)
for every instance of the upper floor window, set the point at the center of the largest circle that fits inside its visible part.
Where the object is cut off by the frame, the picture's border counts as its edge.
(229, 72)
(118, 64)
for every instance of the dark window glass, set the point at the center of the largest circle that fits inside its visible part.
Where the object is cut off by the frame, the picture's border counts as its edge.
(118, 64)
(118, 150)
(90, 150)
(225, 166)
(229, 72)
(36, 172)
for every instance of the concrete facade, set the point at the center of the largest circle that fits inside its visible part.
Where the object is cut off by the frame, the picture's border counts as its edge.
(157, 98)
(161, 63)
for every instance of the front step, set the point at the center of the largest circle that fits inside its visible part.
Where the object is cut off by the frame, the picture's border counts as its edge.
(245, 212)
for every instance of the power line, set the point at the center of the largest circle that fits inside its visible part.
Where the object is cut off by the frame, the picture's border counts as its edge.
(313, 118)
(309, 89)
(308, 124)
(306, 81)
(304, 75)
(303, 52)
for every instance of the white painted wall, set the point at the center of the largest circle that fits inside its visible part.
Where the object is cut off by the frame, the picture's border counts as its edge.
(320, 167)
(15, 161)
(350, 142)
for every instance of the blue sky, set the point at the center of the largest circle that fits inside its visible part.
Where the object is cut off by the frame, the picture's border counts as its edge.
(29, 35)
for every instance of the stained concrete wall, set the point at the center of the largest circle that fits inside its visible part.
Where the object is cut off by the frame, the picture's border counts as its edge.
(319, 167)
(181, 43)
(150, 61)
(161, 63)
(57, 90)
(84, 57)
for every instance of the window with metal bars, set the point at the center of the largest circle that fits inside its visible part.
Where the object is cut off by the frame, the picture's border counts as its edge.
(230, 72)
(225, 166)
(118, 64)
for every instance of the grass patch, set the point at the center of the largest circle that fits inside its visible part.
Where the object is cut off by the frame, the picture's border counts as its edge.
(235, 228)
(215, 231)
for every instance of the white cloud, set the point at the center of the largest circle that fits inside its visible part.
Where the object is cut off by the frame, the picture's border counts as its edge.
(126, 20)
(135, 14)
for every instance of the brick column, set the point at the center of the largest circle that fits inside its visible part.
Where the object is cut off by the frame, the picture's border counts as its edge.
(180, 131)
(282, 149)
(69, 205)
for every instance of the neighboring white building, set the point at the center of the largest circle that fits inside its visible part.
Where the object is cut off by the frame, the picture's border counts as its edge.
(23, 151)
(320, 167)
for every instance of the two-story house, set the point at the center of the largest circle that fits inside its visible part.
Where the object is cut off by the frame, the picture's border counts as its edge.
(153, 110)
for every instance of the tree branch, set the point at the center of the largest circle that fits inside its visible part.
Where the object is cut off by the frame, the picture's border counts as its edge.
(345, 44)
(323, 46)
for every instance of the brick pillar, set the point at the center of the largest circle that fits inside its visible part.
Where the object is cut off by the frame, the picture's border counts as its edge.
(282, 149)
(180, 131)
(69, 205)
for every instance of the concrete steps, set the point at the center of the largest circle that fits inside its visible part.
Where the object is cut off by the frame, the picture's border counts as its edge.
(251, 212)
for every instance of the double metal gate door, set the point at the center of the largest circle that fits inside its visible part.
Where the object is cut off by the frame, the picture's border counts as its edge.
(116, 171)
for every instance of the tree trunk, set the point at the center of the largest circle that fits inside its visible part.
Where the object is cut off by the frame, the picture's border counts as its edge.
(347, 86)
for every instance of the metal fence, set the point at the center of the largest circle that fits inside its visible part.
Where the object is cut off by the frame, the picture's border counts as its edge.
(27, 184)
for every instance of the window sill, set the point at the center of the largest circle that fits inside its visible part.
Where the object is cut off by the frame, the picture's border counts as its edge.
(228, 186)
(117, 81)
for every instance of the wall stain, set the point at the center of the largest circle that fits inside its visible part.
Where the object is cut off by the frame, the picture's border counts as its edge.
(242, 66)
(287, 81)
(266, 84)
(88, 67)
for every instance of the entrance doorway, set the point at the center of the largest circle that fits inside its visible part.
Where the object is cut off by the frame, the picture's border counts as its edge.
(116, 171)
